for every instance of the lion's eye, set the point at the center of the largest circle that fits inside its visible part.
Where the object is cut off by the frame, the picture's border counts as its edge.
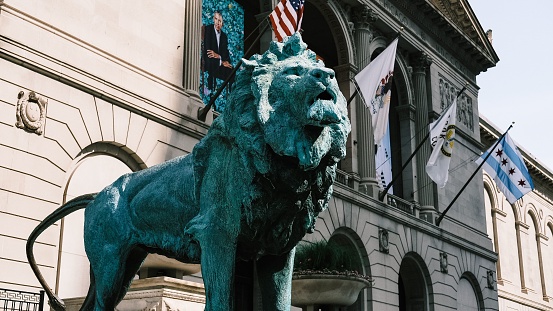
(293, 71)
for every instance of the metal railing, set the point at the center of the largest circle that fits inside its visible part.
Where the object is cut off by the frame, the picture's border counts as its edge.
(13, 300)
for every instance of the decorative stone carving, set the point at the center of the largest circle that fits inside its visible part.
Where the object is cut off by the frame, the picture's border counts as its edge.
(490, 279)
(383, 241)
(364, 16)
(443, 262)
(30, 112)
(464, 103)
(420, 62)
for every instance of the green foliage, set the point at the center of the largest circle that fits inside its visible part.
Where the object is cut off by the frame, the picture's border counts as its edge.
(321, 256)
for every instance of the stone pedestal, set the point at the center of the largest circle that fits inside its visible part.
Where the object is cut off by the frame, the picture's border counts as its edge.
(157, 293)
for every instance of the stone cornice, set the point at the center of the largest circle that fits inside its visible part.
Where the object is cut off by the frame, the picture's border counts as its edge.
(499, 212)
(519, 223)
(523, 300)
(477, 56)
(541, 236)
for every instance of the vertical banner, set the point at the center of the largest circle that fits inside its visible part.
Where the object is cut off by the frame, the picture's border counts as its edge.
(222, 47)
(375, 83)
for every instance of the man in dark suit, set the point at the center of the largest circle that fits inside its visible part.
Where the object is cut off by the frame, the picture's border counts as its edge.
(216, 53)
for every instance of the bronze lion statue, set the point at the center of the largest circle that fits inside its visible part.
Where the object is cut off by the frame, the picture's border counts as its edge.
(250, 190)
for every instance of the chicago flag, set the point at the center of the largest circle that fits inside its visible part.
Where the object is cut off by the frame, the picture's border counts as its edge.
(506, 167)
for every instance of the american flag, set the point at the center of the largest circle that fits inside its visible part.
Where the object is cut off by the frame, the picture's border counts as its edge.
(286, 18)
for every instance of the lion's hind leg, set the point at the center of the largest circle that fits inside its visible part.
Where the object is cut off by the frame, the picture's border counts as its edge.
(88, 303)
(134, 261)
(113, 273)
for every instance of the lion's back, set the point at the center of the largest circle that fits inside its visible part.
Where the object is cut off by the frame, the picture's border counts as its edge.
(155, 202)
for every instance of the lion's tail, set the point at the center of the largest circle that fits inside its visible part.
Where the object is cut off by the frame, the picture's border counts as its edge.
(75, 204)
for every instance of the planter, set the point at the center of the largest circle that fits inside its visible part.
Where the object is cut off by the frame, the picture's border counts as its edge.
(326, 289)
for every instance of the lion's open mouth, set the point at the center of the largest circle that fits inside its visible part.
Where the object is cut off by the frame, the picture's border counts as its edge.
(325, 96)
(322, 112)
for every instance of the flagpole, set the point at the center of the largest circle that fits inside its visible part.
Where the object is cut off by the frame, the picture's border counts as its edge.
(383, 193)
(398, 34)
(352, 96)
(202, 112)
(473, 174)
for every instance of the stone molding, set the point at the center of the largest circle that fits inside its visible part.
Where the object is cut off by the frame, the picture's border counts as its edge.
(499, 212)
(520, 224)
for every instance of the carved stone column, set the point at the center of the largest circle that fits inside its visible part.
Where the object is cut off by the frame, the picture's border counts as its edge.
(363, 17)
(192, 47)
(539, 237)
(344, 75)
(518, 224)
(421, 63)
(496, 243)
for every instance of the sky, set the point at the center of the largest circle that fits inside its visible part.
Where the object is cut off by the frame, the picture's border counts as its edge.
(518, 89)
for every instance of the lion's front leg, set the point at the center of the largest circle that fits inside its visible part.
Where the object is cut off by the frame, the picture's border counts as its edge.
(218, 258)
(275, 280)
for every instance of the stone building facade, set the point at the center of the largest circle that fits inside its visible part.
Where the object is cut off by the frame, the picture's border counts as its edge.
(521, 235)
(92, 90)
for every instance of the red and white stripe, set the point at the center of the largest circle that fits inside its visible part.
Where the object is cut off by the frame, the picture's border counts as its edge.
(285, 19)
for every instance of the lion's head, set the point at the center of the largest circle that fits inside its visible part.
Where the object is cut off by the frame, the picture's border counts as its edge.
(288, 101)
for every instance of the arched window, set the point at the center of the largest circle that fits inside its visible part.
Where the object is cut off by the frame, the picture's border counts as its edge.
(91, 174)
(532, 277)
(345, 237)
(507, 242)
(414, 287)
(469, 297)
(489, 216)
(547, 253)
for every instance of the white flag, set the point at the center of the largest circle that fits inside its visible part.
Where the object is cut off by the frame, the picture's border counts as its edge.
(442, 134)
(375, 83)
(383, 161)
(506, 167)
